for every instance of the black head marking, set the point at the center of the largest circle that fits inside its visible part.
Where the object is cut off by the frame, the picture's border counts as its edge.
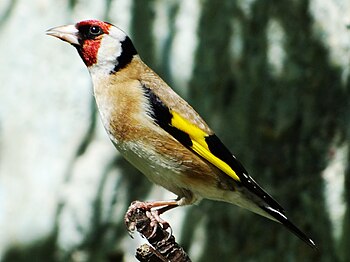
(89, 32)
(128, 51)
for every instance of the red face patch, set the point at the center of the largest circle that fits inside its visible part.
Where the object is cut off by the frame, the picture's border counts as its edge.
(90, 35)
(89, 51)
(104, 25)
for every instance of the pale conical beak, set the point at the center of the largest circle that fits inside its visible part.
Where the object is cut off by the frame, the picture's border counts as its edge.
(66, 33)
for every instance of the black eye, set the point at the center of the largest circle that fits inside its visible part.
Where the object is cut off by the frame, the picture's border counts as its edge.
(95, 31)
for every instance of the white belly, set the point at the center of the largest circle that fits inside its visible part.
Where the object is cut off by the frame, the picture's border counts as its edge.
(157, 168)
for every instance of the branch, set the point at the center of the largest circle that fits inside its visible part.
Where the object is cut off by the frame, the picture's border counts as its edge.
(163, 246)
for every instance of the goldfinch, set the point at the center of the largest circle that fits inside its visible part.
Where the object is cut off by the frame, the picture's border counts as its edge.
(160, 133)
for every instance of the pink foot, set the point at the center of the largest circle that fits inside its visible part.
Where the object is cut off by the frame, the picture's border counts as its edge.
(153, 215)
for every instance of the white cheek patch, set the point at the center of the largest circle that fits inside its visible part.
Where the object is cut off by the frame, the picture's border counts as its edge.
(110, 49)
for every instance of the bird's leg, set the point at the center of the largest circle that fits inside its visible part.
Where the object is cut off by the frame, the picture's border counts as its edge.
(152, 213)
(166, 208)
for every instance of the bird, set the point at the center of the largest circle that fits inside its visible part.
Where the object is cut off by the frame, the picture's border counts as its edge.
(158, 132)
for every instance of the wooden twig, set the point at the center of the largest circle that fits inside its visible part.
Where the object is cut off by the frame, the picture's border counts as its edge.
(163, 246)
(146, 253)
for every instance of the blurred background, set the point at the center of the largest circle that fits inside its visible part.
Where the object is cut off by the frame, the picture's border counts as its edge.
(272, 78)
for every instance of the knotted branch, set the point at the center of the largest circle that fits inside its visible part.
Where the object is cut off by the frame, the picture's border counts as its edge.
(163, 246)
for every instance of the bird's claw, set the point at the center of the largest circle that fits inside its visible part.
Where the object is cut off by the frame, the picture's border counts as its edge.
(129, 219)
(152, 214)
(156, 220)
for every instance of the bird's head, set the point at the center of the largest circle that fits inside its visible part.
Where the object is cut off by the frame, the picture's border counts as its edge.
(101, 45)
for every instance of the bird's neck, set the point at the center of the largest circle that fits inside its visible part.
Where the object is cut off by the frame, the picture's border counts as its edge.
(119, 96)
(131, 71)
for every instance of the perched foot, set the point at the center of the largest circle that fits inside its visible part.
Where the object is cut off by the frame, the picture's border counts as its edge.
(151, 213)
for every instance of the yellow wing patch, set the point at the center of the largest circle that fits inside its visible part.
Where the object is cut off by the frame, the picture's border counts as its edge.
(199, 144)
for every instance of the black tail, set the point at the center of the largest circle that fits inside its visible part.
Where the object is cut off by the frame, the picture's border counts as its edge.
(288, 224)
